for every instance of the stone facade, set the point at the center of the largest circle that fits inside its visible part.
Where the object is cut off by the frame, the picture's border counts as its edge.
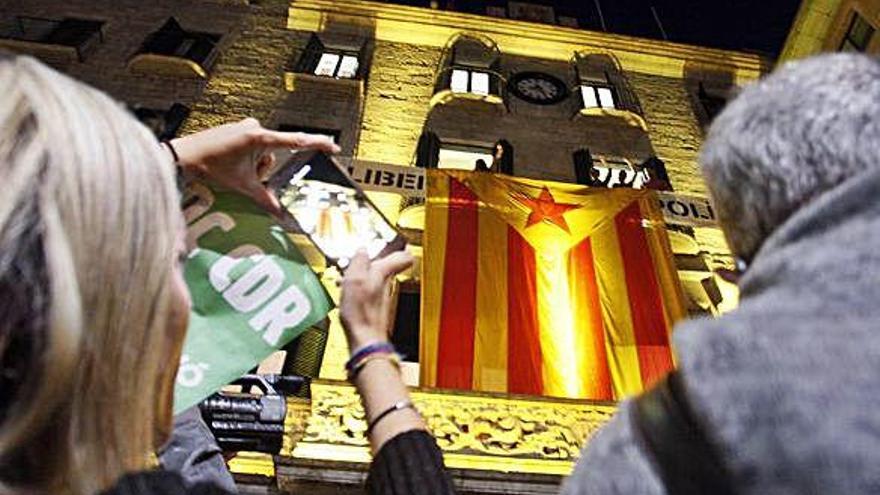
(822, 25)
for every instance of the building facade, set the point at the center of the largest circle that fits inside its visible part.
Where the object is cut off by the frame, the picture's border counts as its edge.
(422, 87)
(833, 25)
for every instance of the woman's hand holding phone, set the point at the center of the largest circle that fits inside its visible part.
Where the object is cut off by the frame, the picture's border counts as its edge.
(237, 155)
(365, 305)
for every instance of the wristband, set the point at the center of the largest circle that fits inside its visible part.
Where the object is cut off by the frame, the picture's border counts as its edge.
(383, 347)
(404, 404)
(392, 358)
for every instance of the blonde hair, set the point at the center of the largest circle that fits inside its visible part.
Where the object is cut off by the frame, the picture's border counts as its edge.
(88, 219)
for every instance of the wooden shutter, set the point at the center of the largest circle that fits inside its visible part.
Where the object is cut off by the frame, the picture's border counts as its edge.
(203, 49)
(505, 163)
(78, 33)
(583, 165)
(308, 61)
(428, 150)
(74, 32)
(166, 40)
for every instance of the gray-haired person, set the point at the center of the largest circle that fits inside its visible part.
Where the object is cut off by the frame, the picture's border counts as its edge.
(780, 396)
(785, 390)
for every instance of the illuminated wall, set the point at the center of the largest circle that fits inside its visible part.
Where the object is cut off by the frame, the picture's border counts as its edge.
(822, 25)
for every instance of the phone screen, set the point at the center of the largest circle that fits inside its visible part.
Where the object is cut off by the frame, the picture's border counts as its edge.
(329, 208)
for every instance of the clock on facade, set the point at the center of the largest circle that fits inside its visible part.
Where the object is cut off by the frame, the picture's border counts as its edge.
(538, 88)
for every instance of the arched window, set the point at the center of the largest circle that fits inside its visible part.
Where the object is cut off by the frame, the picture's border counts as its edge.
(470, 66)
(602, 84)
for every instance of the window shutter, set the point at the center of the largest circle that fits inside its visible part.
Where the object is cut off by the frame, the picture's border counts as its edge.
(504, 164)
(77, 33)
(362, 55)
(428, 150)
(495, 86)
(711, 103)
(308, 61)
(173, 120)
(73, 32)
(583, 165)
(202, 50)
(166, 40)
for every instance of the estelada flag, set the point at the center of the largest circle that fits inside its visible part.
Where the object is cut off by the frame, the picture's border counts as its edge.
(545, 288)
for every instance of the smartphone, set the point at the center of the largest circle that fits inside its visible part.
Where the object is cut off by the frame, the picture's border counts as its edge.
(321, 200)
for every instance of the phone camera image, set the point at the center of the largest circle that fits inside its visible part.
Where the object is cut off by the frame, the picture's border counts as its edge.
(336, 219)
(323, 202)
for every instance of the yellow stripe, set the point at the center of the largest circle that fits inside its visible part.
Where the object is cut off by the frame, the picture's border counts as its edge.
(620, 343)
(671, 291)
(590, 367)
(559, 343)
(490, 341)
(433, 263)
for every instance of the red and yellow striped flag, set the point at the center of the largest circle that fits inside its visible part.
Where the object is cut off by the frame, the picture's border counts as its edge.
(544, 288)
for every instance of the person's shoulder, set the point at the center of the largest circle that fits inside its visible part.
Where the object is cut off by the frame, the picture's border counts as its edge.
(160, 482)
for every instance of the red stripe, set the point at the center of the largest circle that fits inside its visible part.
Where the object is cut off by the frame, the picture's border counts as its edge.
(455, 353)
(524, 362)
(645, 300)
(585, 297)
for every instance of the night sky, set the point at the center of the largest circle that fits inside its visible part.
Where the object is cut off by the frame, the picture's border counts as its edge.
(750, 25)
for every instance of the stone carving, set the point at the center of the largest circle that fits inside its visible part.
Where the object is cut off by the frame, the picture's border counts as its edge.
(469, 423)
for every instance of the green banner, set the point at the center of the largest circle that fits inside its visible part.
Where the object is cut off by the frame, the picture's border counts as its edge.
(252, 292)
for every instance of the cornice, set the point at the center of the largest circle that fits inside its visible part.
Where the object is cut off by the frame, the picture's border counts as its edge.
(428, 27)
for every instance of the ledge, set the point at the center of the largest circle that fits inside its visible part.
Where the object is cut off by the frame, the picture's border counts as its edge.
(292, 78)
(476, 431)
(165, 65)
(447, 96)
(630, 118)
(44, 51)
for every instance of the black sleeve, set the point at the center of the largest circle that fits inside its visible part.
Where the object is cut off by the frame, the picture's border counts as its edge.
(410, 463)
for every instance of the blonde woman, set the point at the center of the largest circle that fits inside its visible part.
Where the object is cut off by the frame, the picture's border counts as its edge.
(93, 307)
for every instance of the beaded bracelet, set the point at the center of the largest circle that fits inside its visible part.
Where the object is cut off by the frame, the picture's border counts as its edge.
(392, 358)
(404, 404)
(378, 347)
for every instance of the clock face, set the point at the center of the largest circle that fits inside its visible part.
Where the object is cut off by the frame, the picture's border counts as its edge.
(538, 88)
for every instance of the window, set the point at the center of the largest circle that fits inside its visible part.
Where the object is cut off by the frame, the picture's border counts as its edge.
(337, 65)
(602, 83)
(471, 67)
(469, 81)
(858, 35)
(465, 157)
(333, 134)
(712, 104)
(606, 171)
(80, 34)
(173, 41)
(163, 123)
(432, 153)
(340, 60)
(597, 96)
